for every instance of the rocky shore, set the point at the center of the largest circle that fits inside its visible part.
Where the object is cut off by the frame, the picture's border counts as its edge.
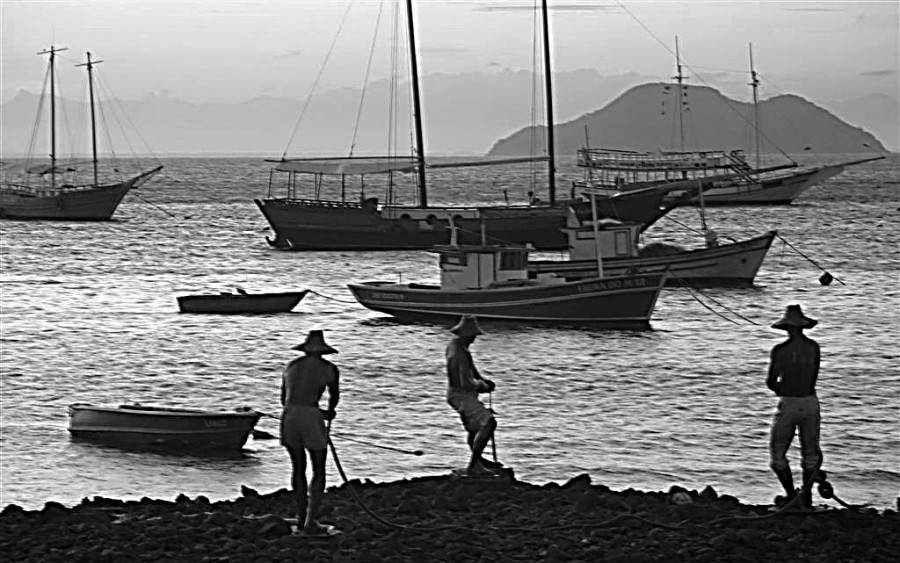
(450, 519)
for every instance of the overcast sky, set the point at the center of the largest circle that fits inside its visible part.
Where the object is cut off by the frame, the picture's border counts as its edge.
(233, 50)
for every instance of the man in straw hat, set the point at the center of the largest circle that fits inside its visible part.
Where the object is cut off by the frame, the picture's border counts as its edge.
(464, 383)
(303, 424)
(793, 371)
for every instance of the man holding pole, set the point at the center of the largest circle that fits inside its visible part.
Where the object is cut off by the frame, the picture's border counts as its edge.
(303, 425)
(464, 383)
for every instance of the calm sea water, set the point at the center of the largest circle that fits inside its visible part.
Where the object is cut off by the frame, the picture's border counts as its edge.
(88, 314)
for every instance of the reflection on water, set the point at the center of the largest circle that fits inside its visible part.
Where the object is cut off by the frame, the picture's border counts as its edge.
(88, 314)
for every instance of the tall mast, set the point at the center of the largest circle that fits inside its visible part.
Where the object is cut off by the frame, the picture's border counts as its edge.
(548, 84)
(754, 82)
(417, 106)
(679, 77)
(90, 68)
(52, 52)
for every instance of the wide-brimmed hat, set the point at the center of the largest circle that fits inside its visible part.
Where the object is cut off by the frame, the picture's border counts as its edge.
(315, 343)
(467, 326)
(794, 316)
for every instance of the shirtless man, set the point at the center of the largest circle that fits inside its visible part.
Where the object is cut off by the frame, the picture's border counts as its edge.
(464, 383)
(793, 371)
(303, 424)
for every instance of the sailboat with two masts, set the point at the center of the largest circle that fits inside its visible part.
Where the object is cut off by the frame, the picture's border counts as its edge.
(313, 222)
(58, 195)
(728, 177)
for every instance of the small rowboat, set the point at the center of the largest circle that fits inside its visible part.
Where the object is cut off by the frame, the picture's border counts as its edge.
(241, 303)
(162, 427)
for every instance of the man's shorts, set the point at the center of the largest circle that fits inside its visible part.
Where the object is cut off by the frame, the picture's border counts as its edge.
(303, 427)
(472, 412)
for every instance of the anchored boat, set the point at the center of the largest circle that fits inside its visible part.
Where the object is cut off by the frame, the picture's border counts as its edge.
(241, 303)
(491, 282)
(162, 427)
(716, 264)
(67, 198)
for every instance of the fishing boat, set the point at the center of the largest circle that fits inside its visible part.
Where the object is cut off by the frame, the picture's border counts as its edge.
(716, 264)
(491, 282)
(729, 178)
(240, 303)
(167, 428)
(61, 194)
(340, 221)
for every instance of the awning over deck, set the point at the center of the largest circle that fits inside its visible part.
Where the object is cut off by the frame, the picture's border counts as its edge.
(347, 166)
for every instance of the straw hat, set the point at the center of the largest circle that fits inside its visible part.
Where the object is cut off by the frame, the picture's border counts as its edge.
(315, 343)
(794, 316)
(467, 326)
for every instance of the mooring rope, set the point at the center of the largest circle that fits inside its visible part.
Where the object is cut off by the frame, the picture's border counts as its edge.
(332, 298)
(811, 261)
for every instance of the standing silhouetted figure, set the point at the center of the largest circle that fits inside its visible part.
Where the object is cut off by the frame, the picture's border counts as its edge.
(793, 371)
(303, 424)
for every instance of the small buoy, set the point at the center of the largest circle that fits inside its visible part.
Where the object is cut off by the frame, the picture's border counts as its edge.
(826, 279)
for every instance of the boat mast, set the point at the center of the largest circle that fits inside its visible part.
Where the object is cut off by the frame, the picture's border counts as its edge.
(548, 84)
(52, 52)
(754, 82)
(679, 77)
(90, 67)
(417, 106)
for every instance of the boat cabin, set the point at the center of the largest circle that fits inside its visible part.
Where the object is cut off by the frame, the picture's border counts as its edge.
(483, 266)
(616, 239)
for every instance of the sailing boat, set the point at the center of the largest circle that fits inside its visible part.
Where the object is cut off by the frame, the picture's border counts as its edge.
(52, 199)
(728, 177)
(314, 223)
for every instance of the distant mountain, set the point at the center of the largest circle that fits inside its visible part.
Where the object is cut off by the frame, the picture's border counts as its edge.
(464, 114)
(646, 118)
(877, 113)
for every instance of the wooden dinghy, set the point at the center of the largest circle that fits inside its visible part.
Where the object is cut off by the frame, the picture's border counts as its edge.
(241, 303)
(163, 427)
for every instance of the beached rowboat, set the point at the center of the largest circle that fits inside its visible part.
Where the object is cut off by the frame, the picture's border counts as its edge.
(162, 427)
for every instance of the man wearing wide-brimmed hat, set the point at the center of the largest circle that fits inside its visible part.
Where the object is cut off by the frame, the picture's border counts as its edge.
(304, 381)
(464, 383)
(793, 372)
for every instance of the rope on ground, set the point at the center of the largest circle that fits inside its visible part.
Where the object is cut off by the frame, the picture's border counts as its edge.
(826, 277)
(332, 298)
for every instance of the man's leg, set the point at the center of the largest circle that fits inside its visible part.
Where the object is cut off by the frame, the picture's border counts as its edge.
(298, 481)
(780, 439)
(482, 437)
(316, 490)
(811, 460)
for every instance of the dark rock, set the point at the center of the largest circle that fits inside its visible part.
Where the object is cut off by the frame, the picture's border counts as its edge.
(583, 480)
(708, 494)
(248, 492)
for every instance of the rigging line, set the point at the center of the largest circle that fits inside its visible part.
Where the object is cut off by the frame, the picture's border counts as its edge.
(150, 203)
(116, 102)
(314, 292)
(811, 261)
(37, 119)
(696, 74)
(316, 81)
(362, 94)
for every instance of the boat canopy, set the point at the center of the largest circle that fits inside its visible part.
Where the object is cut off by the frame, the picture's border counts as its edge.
(347, 166)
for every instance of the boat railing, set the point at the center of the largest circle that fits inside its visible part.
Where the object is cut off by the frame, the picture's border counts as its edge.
(663, 161)
(300, 202)
(43, 192)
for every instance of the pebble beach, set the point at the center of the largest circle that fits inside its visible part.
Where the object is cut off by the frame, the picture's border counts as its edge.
(443, 518)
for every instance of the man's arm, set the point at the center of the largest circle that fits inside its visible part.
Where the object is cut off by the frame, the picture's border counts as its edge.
(772, 380)
(334, 392)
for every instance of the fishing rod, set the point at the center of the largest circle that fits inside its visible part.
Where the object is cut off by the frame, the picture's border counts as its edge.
(348, 438)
